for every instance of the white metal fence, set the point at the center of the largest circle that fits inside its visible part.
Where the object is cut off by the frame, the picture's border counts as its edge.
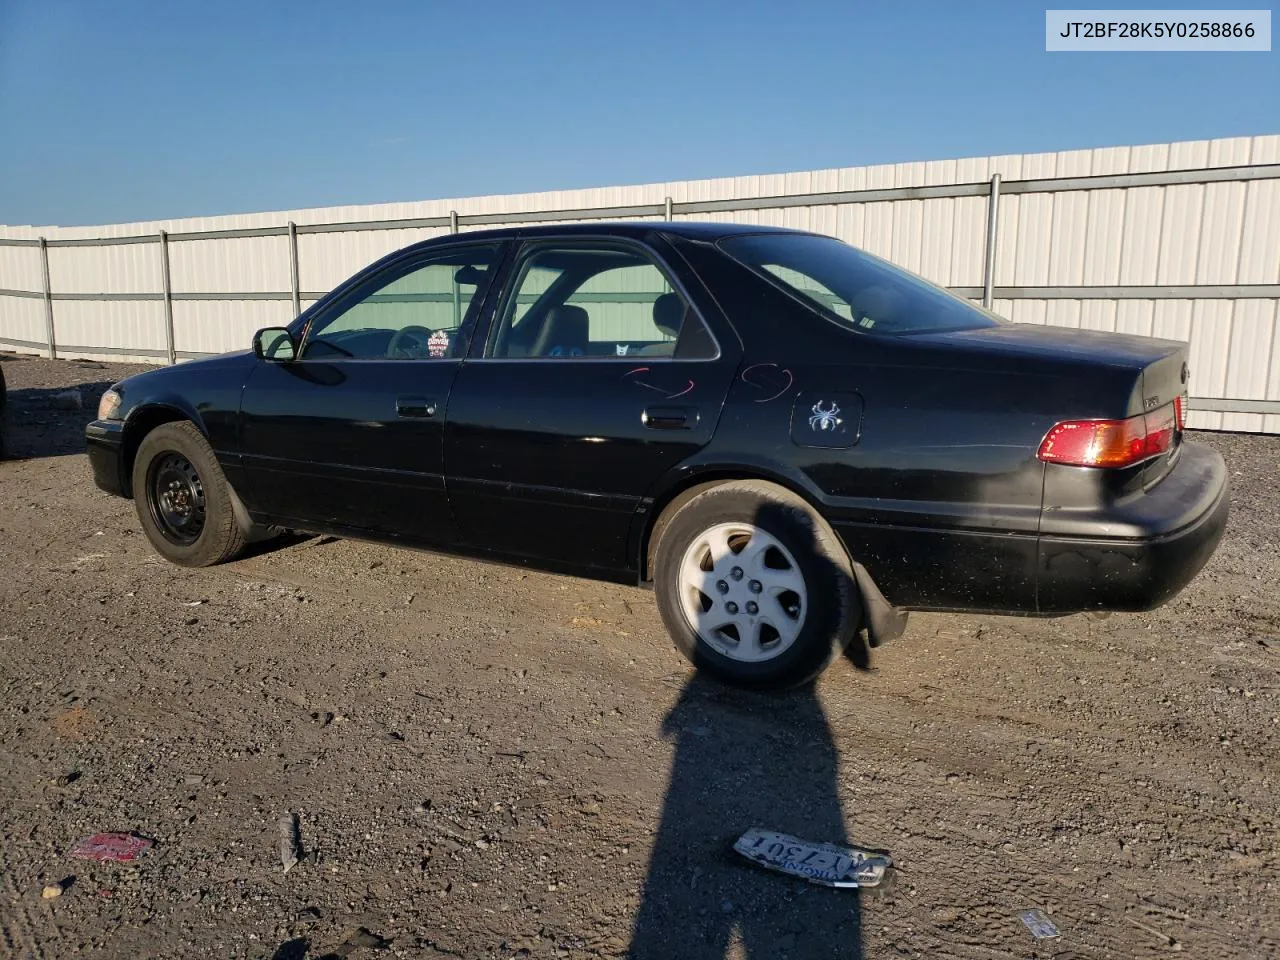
(1174, 240)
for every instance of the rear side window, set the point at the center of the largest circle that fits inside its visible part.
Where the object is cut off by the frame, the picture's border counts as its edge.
(854, 288)
(595, 300)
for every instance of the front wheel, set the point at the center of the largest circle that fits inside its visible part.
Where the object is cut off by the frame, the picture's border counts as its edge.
(183, 500)
(753, 586)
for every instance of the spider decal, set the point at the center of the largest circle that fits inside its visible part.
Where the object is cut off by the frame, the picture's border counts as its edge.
(825, 419)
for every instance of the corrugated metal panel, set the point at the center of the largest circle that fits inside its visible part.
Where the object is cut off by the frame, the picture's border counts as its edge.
(1180, 234)
(20, 269)
(1067, 239)
(126, 269)
(216, 326)
(1249, 358)
(245, 265)
(1104, 231)
(133, 325)
(937, 230)
(22, 320)
(1139, 258)
(970, 236)
(1136, 317)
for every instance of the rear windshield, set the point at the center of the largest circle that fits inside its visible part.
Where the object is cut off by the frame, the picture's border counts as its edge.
(854, 288)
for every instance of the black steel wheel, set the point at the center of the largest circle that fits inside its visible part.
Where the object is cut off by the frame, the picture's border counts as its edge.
(175, 496)
(184, 502)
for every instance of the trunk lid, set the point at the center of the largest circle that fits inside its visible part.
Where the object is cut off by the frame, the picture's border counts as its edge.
(1158, 368)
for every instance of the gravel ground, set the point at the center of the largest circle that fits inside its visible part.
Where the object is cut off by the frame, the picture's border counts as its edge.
(486, 762)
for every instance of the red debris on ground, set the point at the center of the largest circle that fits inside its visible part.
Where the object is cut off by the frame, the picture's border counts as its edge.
(111, 846)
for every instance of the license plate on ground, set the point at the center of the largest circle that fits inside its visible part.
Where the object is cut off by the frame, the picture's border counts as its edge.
(823, 863)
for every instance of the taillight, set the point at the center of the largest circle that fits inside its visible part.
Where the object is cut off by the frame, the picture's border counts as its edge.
(1180, 411)
(1112, 443)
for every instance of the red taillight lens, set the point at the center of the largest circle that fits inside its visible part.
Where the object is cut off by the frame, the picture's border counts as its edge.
(1111, 443)
(1180, 411)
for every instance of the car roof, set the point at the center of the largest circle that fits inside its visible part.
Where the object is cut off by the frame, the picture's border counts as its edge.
(696, 230)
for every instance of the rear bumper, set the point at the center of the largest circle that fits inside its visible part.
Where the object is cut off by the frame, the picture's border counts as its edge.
(105, 442)
(1131, 554)
(1183, 518)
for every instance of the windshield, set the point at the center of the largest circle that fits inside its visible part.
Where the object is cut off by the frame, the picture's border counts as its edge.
(854, 288)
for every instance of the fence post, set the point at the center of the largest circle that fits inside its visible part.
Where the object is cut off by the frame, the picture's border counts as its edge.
(667, 209)
(453, 221)
(48, 299)
(167, 289)
(989, 266)
(294, 283)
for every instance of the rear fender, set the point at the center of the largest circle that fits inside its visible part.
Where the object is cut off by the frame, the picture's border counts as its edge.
(883, 621)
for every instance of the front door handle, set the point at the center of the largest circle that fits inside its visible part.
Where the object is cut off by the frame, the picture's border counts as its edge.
(419, 407)
(669, 418)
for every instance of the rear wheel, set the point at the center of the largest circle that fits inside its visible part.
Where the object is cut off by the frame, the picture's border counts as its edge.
(753, 586)
(183, 500)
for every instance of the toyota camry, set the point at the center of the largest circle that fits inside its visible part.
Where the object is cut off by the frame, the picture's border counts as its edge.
(794, 442)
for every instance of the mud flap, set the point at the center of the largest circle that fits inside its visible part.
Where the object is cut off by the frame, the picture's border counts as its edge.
(883, 620)
(253, 532)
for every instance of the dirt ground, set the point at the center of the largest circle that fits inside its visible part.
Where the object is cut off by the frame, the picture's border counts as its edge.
(487, 762)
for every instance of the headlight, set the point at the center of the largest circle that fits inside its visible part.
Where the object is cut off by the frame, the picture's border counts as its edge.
(109, 406)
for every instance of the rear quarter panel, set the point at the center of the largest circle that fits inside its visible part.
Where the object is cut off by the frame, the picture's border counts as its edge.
(939, 493)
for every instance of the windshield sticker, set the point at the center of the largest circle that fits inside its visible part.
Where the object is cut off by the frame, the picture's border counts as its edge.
(438, 344)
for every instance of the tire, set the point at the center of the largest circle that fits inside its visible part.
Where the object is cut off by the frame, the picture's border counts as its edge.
(779, 604)
(195, 525)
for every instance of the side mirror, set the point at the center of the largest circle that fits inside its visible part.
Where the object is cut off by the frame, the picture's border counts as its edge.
(274, 343)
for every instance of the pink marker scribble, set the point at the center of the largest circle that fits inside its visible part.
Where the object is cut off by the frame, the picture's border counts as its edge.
(632, 375)
(756, 366)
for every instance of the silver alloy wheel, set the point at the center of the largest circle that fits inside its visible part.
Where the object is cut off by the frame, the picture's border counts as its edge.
(743, 592)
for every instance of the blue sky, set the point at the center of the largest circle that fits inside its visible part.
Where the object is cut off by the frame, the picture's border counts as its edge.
(133, 110)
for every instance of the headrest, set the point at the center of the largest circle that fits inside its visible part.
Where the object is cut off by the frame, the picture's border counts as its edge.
(564, 333)
(668, 314)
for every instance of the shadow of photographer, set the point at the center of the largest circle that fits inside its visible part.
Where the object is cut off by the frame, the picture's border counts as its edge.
(744, 760)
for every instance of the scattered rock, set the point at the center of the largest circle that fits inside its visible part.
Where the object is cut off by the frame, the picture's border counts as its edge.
(57, 888)
(290, 842)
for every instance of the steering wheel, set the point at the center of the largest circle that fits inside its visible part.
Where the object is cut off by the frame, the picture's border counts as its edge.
(397, 350)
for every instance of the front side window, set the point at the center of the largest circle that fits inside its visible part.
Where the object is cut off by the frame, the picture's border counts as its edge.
(416, 313)
(854, 288)
(587, 300)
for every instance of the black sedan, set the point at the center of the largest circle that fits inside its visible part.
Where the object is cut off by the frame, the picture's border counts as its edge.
(794, 441)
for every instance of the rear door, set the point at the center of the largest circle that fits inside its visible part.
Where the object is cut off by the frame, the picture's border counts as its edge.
(351, 433)
(598, 375)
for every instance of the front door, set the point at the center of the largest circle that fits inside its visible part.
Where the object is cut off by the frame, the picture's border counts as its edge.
(597, 377)
(350, 434)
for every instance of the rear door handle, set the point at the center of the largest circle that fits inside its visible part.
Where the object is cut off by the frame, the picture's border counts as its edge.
(669, 418)
(419, 407)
